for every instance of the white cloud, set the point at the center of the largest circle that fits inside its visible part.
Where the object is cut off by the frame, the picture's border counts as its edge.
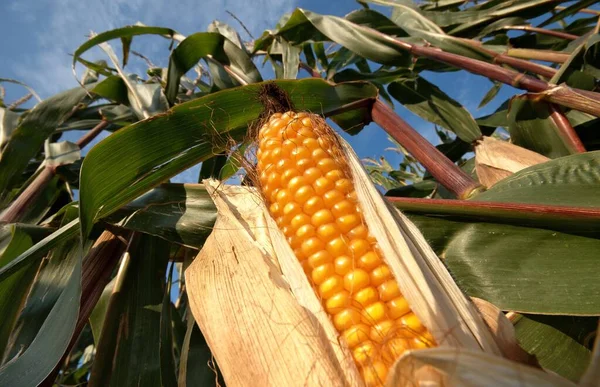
(63, 25)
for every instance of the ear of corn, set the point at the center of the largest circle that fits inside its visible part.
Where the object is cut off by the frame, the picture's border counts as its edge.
(230, 316)
(307, 185)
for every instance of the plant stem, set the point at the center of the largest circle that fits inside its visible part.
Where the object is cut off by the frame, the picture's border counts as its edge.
(314, 73)
(98, 266)
(525, 65)
(537, 215)
(30, 194)
(543, 55)
(566, 129)
(543, 31)
(583, 100)
(517, 63)
(440, 167)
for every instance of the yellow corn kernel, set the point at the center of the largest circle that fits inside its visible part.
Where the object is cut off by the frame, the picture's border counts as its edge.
(398, 307)
(388, 290)
(369, 261)
(328, 231)
(382, 330)
(345, 207)
(346, 318)
(311, 246)
(366, 296)
(364, 353)
(321, 273)
(356, 335)
(380, 274)
(356, 280)
(375, 373)
(331, 286)
(343, 264)
(307, 231)
(337, 302)
(317, 259)
(374, 313)
(410, 322)
(321, 217)
(313, 205)
(311, 196)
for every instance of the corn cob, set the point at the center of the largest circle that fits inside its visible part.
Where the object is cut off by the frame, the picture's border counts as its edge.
(308, 188)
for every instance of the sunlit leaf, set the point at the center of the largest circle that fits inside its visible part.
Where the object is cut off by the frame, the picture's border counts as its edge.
(196, 131)
(429, 102)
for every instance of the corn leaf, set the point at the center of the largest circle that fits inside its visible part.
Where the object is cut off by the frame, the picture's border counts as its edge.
(51, 341)
(14, 240)
(517, 268)
(555, 350)
(214, 45)
(429, 102)
(48, 287)
(165, 145)
(135, 357)
(27, 140)
(304, 25)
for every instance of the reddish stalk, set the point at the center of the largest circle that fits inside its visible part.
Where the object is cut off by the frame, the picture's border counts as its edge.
(543, 31)
(583, 100)
(525, 65)
(313, 73)
(440, 167)
(30, 194)
(566, 129)
(443, 169)
(496, 210)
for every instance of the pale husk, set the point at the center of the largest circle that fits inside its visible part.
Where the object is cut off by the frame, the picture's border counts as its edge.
(591, 377)
(503, 332)
(496, 160)
(468, 368)
(256, 328)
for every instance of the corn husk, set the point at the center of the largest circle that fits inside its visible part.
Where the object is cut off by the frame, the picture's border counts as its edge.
(261, 317)
(258, 331)
(503, 332)
(468, 368)
(496, 160)
(591, 377)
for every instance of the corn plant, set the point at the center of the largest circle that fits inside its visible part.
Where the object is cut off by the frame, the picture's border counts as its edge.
(101, 253)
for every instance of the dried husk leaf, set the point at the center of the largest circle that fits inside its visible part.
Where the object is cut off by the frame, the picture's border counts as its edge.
(258, 332)
(503, 332)
(464, 367)
(591, 378)
(496, 160)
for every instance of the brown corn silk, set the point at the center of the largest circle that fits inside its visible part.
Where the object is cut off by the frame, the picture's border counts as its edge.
(306, 182)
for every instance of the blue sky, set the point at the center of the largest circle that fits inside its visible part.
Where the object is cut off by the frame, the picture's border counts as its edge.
(43, 34)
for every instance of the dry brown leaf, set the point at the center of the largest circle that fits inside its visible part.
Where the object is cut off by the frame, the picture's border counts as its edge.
(503, 332)
(496, 160)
